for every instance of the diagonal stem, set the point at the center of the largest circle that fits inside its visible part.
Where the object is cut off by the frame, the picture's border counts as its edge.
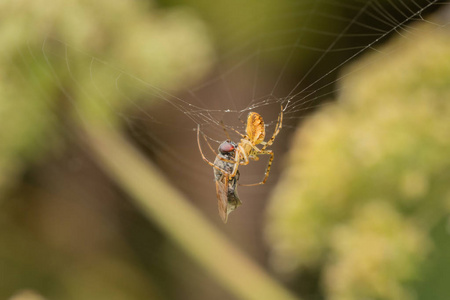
(181, 221)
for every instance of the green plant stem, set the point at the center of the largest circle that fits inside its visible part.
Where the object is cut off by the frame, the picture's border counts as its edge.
(182, 222)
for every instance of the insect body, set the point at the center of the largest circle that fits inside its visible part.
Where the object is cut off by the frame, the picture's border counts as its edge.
(226, 187)
(231, 155)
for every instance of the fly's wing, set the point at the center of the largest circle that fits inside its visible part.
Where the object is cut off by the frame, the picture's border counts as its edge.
(222, 196)
(255, 128)
(226, 188)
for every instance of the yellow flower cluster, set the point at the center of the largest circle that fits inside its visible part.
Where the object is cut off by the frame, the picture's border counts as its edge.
(368, 177)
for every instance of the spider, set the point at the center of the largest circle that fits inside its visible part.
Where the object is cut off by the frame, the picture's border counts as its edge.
(247, 148)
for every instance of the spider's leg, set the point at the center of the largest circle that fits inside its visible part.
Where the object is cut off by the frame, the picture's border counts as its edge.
(235, 168)
(277, 130)
(240, 154)
(225, 129)
(243, 136)
(269, 164)
(203, 156)
(243, 156)
(209, 145)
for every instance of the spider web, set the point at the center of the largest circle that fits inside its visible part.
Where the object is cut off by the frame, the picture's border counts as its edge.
(287, 56)
(247, 77)
(269, 58)
(295, 66)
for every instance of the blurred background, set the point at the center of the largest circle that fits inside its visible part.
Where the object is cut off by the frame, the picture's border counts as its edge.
(358, 199)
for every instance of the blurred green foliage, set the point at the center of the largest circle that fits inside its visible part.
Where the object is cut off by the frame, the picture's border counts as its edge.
(61, 60)
(274, 30)
(367, 185)
(64, 57)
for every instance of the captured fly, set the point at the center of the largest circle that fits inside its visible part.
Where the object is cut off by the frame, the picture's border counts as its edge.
(226, 187)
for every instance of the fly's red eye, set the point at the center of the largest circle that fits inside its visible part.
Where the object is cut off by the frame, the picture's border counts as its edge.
(226, 147)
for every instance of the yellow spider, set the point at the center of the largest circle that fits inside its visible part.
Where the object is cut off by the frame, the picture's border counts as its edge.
(247, 148)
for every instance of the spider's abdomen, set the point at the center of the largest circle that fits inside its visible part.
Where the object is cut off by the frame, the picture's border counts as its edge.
(255, 128)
